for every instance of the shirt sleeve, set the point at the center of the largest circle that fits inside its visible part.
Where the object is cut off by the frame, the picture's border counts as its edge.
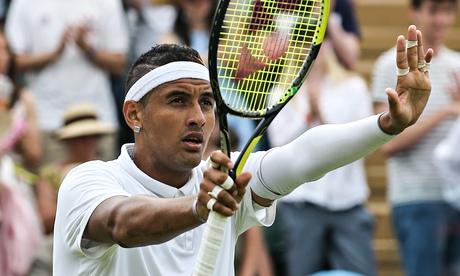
(83, 189)
(16, 29)
(252, 214)
(314, 153)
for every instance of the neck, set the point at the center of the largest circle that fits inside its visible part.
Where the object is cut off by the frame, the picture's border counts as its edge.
(165, 175)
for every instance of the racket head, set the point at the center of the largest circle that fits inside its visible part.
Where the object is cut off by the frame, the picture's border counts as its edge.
(261, 51)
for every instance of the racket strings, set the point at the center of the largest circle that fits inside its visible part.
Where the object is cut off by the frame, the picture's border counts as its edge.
(262, 45)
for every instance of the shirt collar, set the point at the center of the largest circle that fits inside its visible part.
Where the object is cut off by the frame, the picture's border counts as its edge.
(155, 186)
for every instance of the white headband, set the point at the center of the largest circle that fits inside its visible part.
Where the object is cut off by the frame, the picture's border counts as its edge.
(166, 73)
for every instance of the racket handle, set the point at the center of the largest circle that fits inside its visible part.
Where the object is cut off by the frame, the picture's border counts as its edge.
(210, 245)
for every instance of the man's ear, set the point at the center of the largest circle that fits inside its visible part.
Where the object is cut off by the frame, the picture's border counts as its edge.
(132, 111)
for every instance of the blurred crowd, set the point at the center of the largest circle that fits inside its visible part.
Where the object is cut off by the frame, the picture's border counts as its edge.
(62, 86)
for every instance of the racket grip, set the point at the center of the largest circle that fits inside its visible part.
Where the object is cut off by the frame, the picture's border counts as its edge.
(210, 245)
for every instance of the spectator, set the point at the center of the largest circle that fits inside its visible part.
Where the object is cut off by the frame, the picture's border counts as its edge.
(20, 231)
(67, 51)
(80, 132)
(193, 25)
(149, 22)
(27, 151)
(423, 221)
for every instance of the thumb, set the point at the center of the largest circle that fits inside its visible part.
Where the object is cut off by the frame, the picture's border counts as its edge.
(243, 179)
(241, 182)
(393, 99)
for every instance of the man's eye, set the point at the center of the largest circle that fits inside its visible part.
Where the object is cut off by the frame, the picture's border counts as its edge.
(177, 100)
(207, 102)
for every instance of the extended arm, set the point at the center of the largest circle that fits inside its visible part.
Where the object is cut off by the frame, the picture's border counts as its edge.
(328, 147)
(26, 62)
(140, 220)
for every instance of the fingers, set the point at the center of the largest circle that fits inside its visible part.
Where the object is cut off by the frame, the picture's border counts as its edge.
(401, 58)
(413, 86)
(410, 53)
(420, 51)
(217, 159)
(412, 47)
(429, 55)
(218, 191)
(214, 197)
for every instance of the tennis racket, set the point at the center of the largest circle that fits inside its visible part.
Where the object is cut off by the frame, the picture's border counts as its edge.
(260, 52)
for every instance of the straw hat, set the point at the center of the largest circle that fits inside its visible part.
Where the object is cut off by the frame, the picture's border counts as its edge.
(80, 120)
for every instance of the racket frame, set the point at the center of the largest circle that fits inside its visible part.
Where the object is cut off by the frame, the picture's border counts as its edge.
(216, 222)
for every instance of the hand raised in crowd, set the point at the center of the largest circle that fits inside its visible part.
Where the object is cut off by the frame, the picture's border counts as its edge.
(66, 37)
(413, 87)
(81, 32)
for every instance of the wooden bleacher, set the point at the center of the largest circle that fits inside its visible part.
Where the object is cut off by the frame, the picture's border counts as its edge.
(381, 21)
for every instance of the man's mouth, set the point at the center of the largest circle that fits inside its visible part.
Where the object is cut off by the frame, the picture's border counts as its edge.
(194, 139)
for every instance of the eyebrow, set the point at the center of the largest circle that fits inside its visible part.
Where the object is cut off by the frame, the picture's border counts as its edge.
(187, 94)
(208, 94)
(177, 93)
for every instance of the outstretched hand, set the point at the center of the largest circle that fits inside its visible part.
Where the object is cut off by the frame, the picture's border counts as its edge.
(413, 87)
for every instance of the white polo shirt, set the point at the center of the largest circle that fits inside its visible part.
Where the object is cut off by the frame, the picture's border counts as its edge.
(36, 27)
(86, 186)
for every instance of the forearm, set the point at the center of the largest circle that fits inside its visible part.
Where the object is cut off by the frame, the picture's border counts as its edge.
(345, 44)
(113, 62)
(141, 220)
(30, 145)
(315, 153)
(253, 248)
(348, 50)
(46, 204)
(29, 62)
